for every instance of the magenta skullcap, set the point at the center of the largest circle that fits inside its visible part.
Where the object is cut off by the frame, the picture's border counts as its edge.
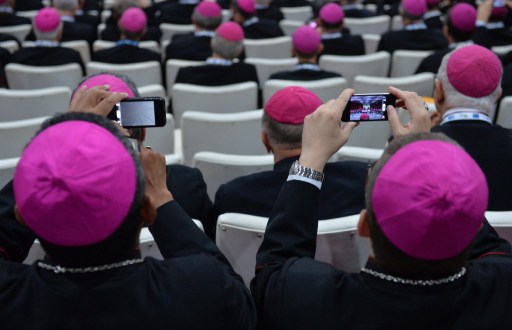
(134, 20)
(248, 6)
(415, 7)
(75, 184)
(306, 40)
(230, 31)
(117, 85)
(463, 17)
(429, 199)
(47, 20)
(2, 2)
(208, 9)
(332, 13)
(292, 104)
(474, 71)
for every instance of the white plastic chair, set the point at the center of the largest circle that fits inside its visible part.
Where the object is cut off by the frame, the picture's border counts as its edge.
(372, 25)
(502, 223)
(505, 114)
(231, 133)
(349, 67)
(143, 73)
(10, 45)
(279, 47)
(15, 135)
(289, 26)
(501, 50)
(7, 169)
(405, 62)
(27, 13)
(239, 237)
(300, 14)
(21, 76)
(396, 23)
(367, 155)
(33, 103)
(162, 140)
(218, 99)
(374, 135)
(171, 71)
(371, 42)
(152, 90)
(168, 30)
(104, 44)
(326, 89)
(266, 67)
(218, 168)
(422, 83)
(20, 32)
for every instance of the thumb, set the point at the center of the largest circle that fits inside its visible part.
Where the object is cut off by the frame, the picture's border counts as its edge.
(394, 121)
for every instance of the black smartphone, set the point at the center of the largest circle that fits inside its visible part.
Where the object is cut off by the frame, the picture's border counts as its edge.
(368, 107)
(140, 112)
(498, 3)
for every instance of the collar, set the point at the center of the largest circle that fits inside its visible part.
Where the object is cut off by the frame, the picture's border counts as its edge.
(335, 35)
(188, 2)
(46, 43)
(460, 44)
(495, 25)
(218, 61)
(251, 21)
(415, 26)
(465, 114)
(127, 42)
(307, 66)
(66, 18)
(258, 6)
(431, 14)
(284, 164)
(6, 9)
(204, 34)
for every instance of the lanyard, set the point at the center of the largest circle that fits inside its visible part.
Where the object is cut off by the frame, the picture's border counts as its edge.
(47, 43)
(335, 35)
(307, 66)
(127, 42)
(251, 21)
(218, 61)
(466, 116)
(204, 34)
(417, 26)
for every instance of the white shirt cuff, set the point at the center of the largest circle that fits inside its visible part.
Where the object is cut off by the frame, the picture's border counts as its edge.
(315, 183)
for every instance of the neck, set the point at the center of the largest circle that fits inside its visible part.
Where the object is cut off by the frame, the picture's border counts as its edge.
(66, 13)
(312, 60)
(280, 154)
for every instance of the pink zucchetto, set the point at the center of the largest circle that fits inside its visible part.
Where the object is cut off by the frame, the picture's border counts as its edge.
(306, 40)
(47, 20)
(75, 184)
(415, 7)
(292, 104)
(208, 9)
(463, 17)
(117, 85)
(248, 6)
(230, 31)
(332, 13)
(133, 20)
(429, 199)
(474, 71)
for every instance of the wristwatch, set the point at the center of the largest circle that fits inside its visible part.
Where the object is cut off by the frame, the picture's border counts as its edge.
(299, 170)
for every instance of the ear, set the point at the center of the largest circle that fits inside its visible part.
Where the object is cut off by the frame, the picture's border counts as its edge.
(320, 49)
(294, 52)
(362, 226)
(143, 134)
(265, 141)
(439, 95)
(147, 212)
(18, 216)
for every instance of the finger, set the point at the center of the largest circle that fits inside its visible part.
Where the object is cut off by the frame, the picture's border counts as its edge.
(349, 126)
(76, 96)
(107, 104)
(394, 121)
(400, 94)
(102, 87)
(341, 102)
(400, 104)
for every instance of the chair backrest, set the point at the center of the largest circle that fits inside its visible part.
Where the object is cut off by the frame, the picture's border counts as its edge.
(422, 83)
(168, 30)
(502, 223)
(7, 169)
(300, 14)
(15, 135)
(266, 67)
(501, 50)
(80, 46)
(143, 73)
(373, 25)
(10, 45)
(396, 23)
(27, 13)
(326, 89)
(289, 26)
(21, 76)
(152, 90)
(366, 155)
(32, 103)
(371, 42)
(279, 47)
(370, 135)
(161, 138)
(218, 168)
(239, 237)
(350, 66)
(233, 133)
(218, 99)
(505, 114)
(20, 32)
(104, 44)
(171, 71)
(405, 62)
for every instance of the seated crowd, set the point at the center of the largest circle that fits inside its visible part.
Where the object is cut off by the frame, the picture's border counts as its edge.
(85, 186)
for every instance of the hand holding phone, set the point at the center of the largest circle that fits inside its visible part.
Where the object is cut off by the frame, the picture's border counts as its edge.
(415, 106)
(368, 107)
(140, 112)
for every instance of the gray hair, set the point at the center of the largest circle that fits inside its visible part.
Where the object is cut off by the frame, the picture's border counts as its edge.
(208, 23)
(225, 48)
(50, 35)
(455, 99)
(286, 136)
(68, 5)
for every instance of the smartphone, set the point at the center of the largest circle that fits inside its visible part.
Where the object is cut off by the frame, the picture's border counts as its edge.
(368, 107)
(140, 112)
(498, 3)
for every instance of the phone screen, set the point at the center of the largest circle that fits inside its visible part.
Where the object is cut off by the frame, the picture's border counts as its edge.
(140, 112)
(368, 107)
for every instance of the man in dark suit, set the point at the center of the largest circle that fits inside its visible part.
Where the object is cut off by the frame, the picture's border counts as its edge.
(265, 10)
(491, 29)
(466, 91)
(47, 52)
(26, 5)
(176, 12)
(458, 30)
(415, 35)
(291, 3)
(335, 41)
(219, 70)
(353, 9)
(244, 13)
(306, 47)
(133, 24)
(5, 58)
(74, 30)
(282, 122)
(7, 15)
(433, 18)
(196, 46)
